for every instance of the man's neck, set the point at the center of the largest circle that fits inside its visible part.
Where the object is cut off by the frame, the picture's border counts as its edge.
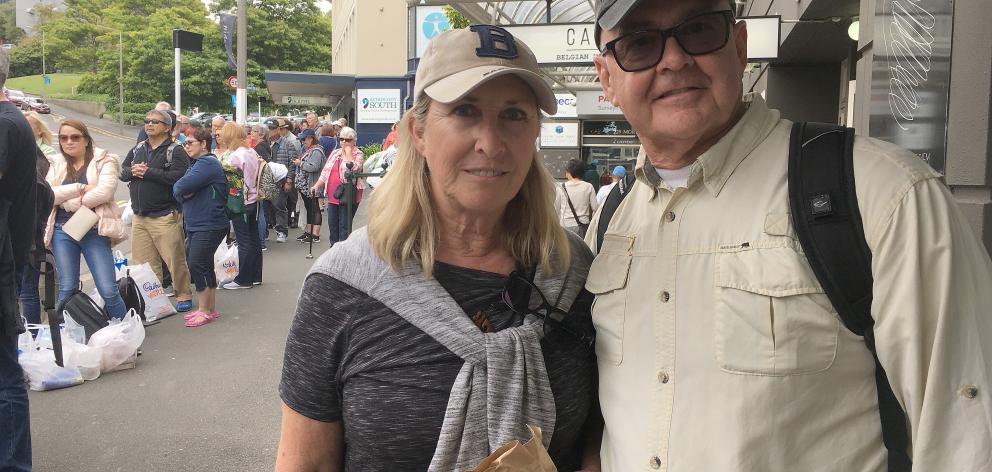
(677, 154)
(156, 141)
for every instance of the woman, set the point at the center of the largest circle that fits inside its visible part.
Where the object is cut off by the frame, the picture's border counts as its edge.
(243, 160)
(85, 175)
(309, 166)
(202, 192)
(576, 199)
(462, 245)
(30, 272)
(42, 135)
(333, 175)
(391, 137)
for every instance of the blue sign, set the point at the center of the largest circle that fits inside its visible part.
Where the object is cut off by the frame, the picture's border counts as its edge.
(234, 101)
(46, 79)
(252, 88)
(435, 24)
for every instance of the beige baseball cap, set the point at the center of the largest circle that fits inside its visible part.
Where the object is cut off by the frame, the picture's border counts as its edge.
(459, 60)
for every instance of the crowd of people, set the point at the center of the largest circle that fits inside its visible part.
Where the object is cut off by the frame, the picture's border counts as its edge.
(687, 330)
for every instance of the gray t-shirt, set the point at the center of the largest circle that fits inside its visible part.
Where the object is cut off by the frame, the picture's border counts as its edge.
(350, 358)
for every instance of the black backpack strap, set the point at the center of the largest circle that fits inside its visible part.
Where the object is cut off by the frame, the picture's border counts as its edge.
(55, 320)
(610, 205)
(827, 220)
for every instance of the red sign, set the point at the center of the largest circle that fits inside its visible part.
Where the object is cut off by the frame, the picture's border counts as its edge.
(232, 82)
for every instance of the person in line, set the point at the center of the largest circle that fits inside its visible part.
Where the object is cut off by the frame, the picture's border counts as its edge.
(160, 106)
(43, 136)
(590, 175)
(615, 176)
(262, 147)
(244, 159)
(151, 169)
(575, 199)
(311, 122)
(216, 124)
(718, 349)
(29, 274)
(393, 325)
(181, 129)
(309, 166)
(392, 137)
(17, 223)
(85, 175)
(329, 137)
(332, 176)
(202, 193)
(285, 149)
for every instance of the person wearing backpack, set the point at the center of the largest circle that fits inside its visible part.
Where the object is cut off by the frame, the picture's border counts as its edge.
(151, 169)
(202, 192)
(722, 343)
(243, 160)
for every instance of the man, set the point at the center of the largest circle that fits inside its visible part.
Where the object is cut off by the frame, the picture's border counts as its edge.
(181, 128)
(152, 168)
(591, 175)
(312, 122)
(160, 106)
(717, 348)
(615, 176)
(17, 225)
(284, 151)
(216, 124)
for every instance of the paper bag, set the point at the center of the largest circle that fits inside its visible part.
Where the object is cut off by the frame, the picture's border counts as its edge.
(515, 457)
(80, 223)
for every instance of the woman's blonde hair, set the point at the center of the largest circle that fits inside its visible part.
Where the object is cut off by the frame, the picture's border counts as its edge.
(234, 136)
(46, 134)
(403, 226)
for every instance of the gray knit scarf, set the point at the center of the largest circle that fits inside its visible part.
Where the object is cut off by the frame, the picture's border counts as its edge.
(503, 385)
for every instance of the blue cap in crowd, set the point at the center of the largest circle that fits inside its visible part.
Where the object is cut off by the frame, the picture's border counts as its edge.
(619, 171)
(306, 133)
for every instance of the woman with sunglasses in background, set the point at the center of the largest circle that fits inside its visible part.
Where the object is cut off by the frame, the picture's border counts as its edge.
(332, 176)
(202, 193)
(457, 317)
(85, 175)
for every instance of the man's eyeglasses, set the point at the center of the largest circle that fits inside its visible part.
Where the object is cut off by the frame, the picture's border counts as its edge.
(154, 122)
(70, 138)
(516, 296)
(697, 35)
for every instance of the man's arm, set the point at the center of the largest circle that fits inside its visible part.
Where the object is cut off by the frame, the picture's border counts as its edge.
(126, 175)
(171, 175)
(933, 327)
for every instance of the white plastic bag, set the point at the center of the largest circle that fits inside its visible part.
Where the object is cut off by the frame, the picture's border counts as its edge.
(127, 214)
(157, 304)
(86, 359)
(72, 329)
(119, 341)
(43, 374)
(226, 263)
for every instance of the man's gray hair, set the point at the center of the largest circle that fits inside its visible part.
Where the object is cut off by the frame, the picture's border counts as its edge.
(166, 118)
(163, 106)
(4, 66)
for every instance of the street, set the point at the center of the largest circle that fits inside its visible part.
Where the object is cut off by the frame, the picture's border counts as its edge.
(200, 398)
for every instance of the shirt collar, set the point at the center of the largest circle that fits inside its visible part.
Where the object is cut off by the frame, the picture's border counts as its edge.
(718, 163)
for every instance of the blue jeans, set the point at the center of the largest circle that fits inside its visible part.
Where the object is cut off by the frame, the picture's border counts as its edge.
(100, 260)
(15, 419)
(263, 230)
(249, 246)
(28, 292)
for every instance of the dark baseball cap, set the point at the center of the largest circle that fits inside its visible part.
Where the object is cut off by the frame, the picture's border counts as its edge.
(271, 123)
(609, 13)
(306, 134)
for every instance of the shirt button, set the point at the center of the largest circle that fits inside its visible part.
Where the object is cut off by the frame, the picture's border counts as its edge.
(969, 392)
(655, 462)
(670, 216)
(663, 377)
(665, 297)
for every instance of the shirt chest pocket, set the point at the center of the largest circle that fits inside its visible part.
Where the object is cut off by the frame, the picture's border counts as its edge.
(771, 316)
(608, 281)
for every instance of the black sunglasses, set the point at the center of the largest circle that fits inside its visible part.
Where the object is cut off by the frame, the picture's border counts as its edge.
(697, 35)
(154, 122)
(516, 296)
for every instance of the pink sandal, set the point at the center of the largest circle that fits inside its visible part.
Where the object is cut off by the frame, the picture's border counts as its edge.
(199, 319)
(188, 316)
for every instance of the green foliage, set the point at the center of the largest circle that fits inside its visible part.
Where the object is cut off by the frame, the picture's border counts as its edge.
(370, 149)
(455, 18)
(61, 84)
(9, 31)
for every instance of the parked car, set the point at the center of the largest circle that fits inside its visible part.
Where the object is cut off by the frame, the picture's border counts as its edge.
(15, 97)
(203, 117)
(35, 104)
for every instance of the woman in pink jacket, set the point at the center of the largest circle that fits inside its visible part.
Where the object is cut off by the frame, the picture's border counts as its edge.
(84, 175)
(332, 176)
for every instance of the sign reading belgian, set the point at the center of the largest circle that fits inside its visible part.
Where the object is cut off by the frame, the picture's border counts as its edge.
(378, 106)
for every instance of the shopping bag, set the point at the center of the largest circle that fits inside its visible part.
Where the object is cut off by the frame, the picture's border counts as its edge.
(157, 305)
(42, 372)
(84, 358)
(120, 262)
(226, 262)
(516, 457)
(127, 213)
(119, 341)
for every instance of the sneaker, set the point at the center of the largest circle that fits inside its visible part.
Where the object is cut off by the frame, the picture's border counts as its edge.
(184, 305)
(303, 237)
(232, 285)
(256, 283)
(281, 238)
(315, 238)
(265, 248)
(169, 291)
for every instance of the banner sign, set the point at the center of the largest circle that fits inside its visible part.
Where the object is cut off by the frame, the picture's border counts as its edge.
(431, 21)
(764, 36)
(187, 40)
(299, 100)
(228, 24)
(594, 103)
(559, 44)
(566, 106)
(911, 76)
(378, 106)
(559, 134)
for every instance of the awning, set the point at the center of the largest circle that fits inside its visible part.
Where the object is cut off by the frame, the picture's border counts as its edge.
(308, 88)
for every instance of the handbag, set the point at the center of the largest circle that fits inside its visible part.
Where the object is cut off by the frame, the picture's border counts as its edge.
(81, 222)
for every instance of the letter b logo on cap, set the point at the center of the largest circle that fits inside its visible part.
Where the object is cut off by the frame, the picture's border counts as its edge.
(496, 42)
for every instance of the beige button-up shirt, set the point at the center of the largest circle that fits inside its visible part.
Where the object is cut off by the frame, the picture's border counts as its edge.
(718, 350)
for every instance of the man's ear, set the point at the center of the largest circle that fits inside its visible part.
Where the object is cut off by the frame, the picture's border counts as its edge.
(740, 40)
(605, 79)
(417, 132)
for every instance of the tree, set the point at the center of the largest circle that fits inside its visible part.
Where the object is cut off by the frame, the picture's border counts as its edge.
(9, 32)
(286, 34)
(455, 18)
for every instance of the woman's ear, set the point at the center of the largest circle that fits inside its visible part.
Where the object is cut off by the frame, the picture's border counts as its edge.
(417, 131)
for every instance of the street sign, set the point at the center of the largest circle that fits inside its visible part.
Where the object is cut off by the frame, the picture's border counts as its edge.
(299, 100)
(46, 79)
(252, 88)
(234, 101)
(232, 82)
